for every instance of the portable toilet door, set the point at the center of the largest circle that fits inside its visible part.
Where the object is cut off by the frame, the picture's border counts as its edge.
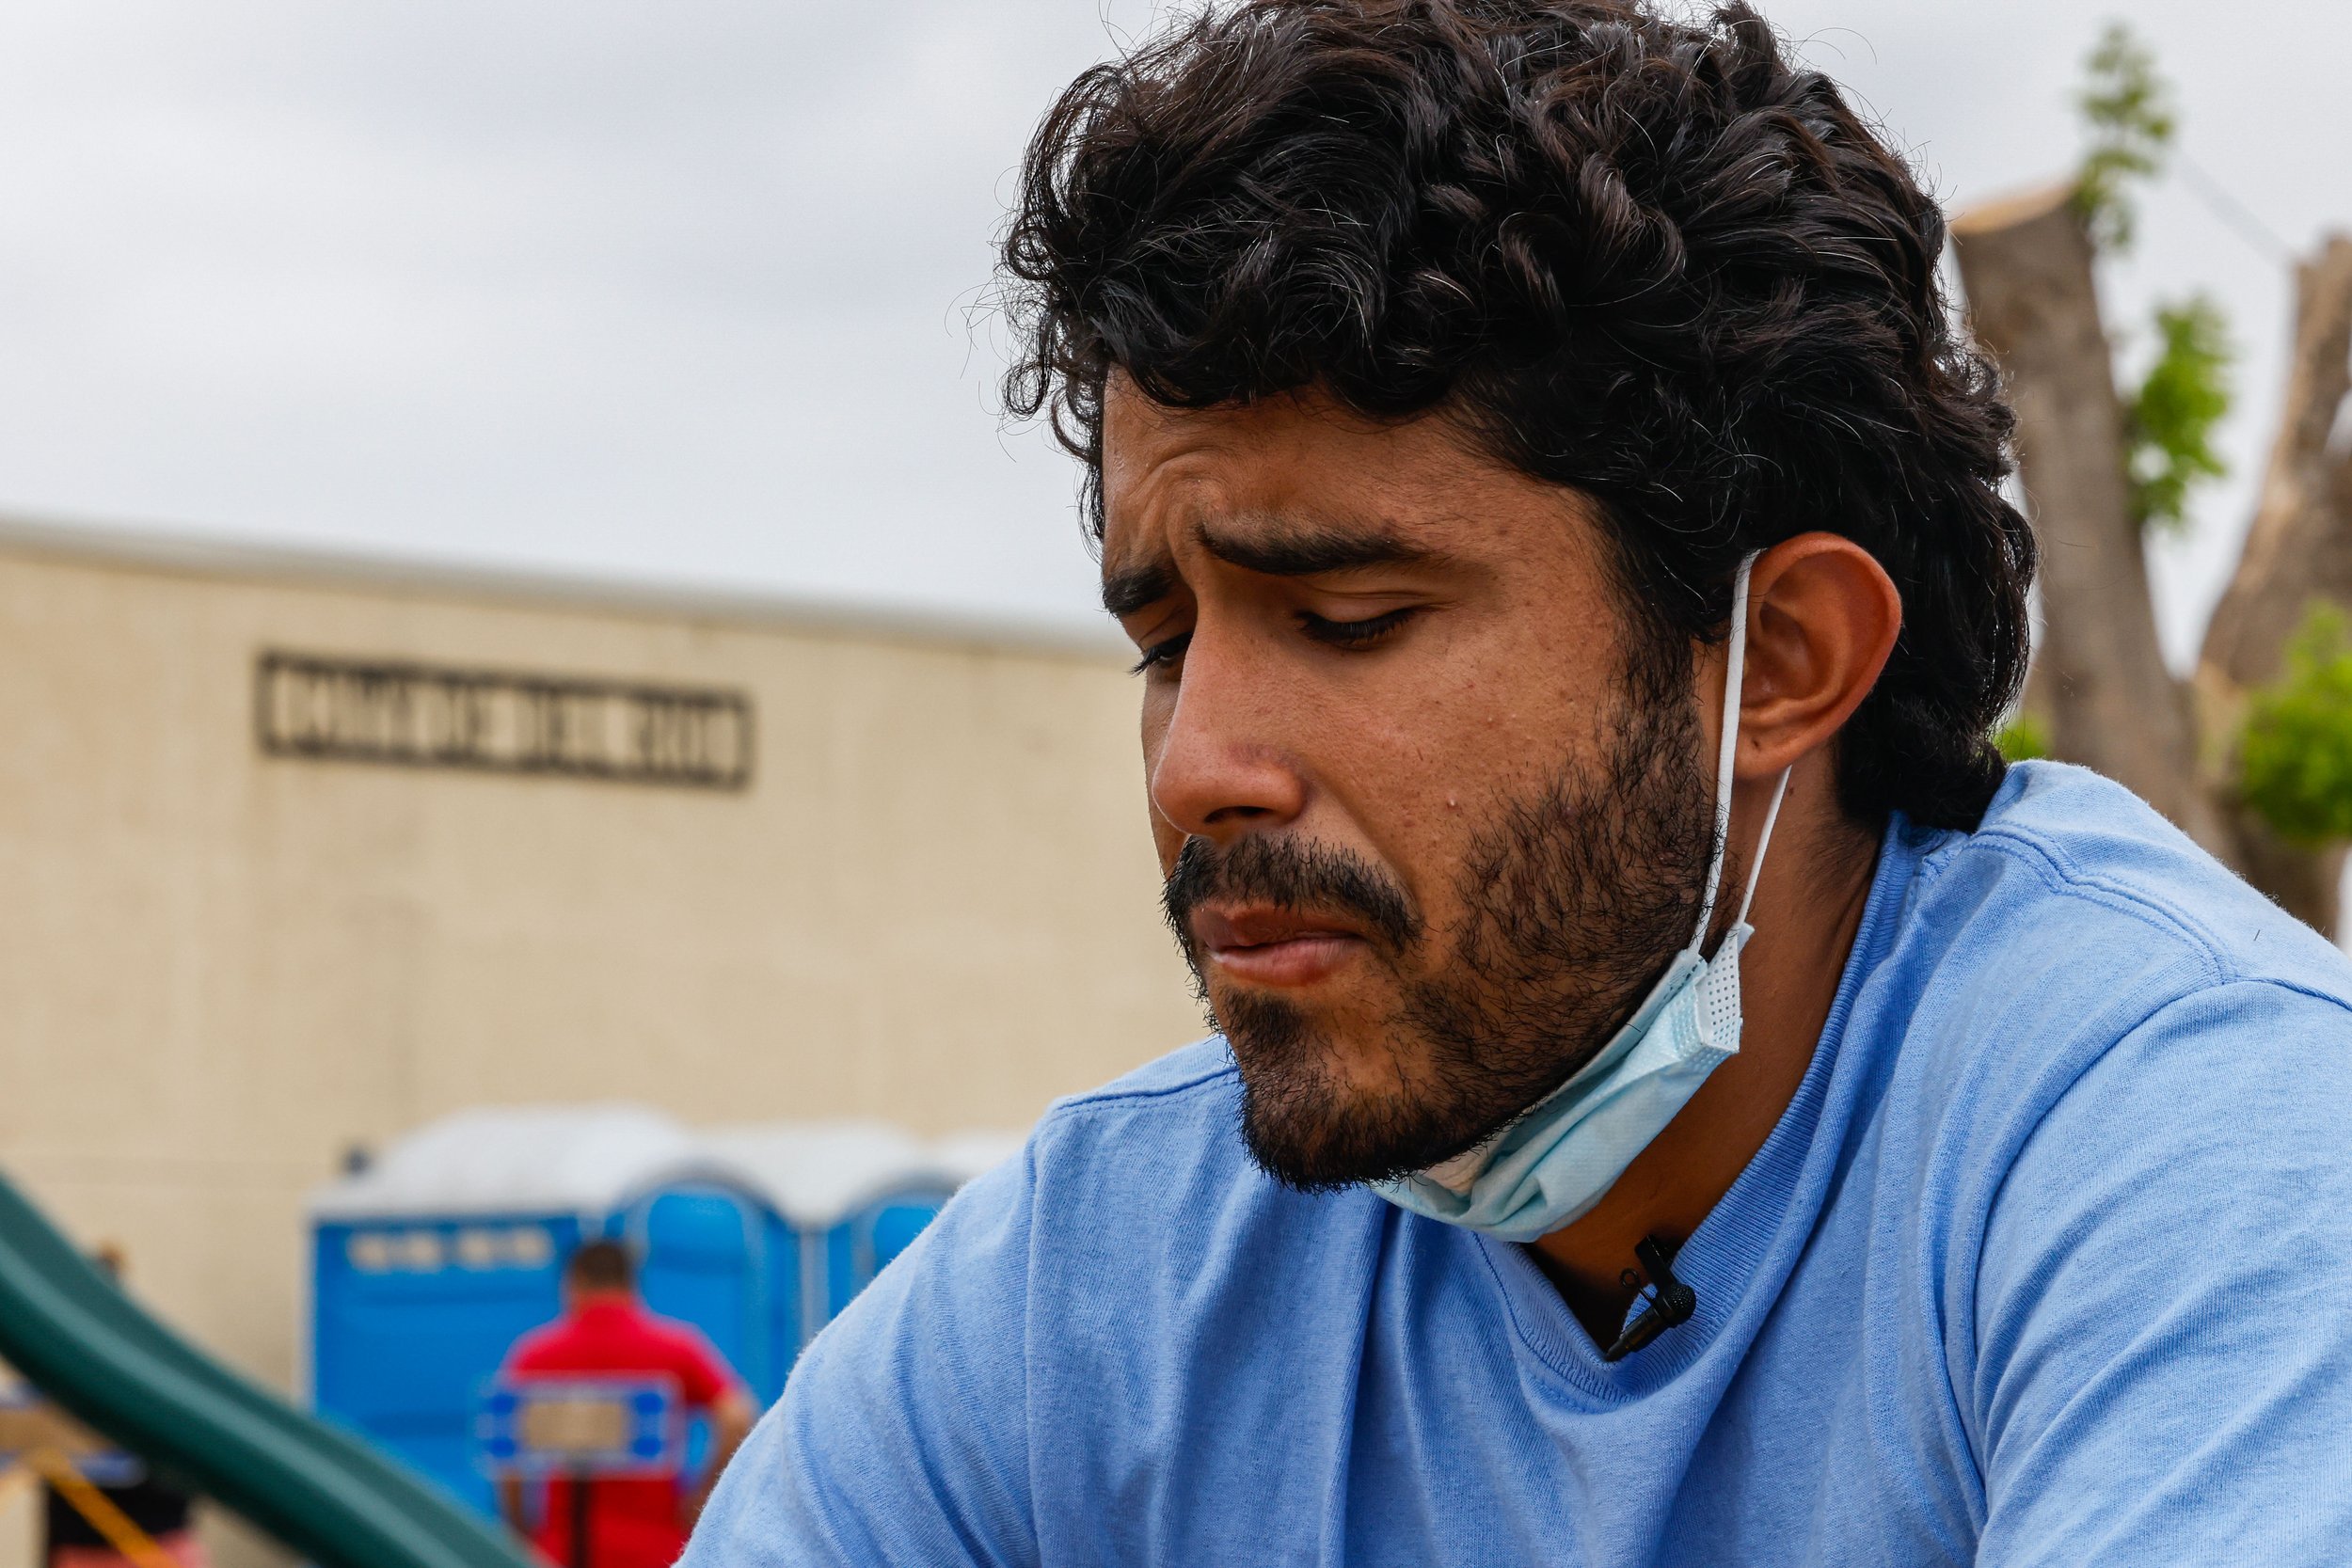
(844, 1198)
(883, 1223)
(702, 1251)
(410, 1316)
(864, 1241)
(787, 1306)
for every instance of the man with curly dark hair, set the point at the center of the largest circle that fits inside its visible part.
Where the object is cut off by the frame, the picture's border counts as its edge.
(1678, 1098)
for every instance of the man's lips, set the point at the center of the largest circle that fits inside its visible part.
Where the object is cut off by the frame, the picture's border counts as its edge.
(1270, 946)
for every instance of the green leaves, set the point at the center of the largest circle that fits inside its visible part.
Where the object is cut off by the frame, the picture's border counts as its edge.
(2295, 758)
(2129, 119)
(2169, 422)
(2023, 739)
(2128, 109)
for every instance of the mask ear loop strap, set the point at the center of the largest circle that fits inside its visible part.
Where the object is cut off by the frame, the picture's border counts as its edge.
(1735, 667)
(1755, 866)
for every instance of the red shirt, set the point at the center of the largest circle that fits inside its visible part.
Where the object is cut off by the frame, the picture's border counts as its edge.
(633, 1521)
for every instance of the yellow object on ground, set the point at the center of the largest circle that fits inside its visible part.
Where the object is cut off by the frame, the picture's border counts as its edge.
(95, 1506)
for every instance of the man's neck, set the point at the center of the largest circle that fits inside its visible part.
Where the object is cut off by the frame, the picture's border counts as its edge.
(1808, 908)
(588, 1301)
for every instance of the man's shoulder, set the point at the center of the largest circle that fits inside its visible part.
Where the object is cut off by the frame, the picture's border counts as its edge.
(1177, 1084)
(2071, 872)
(2078, 963)
(641, 1340)
(1132, 1220)
(672, 1334)
(1122, 1143)
(1120, 1184)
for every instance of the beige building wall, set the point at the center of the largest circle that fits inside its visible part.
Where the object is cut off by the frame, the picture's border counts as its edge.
(221, 970)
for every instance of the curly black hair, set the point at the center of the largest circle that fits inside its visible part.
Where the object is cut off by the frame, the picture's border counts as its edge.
(1650, 259)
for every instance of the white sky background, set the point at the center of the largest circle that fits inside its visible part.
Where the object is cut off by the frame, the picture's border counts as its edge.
(682, 291)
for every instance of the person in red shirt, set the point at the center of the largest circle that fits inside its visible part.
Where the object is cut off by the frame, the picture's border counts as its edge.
(634, 1522)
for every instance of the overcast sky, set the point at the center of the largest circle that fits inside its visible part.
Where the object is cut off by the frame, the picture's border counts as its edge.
(688, 291)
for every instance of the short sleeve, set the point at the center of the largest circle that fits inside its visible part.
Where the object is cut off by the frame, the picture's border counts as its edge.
(902, 1434)
(701, 1374)
(2164, 1350)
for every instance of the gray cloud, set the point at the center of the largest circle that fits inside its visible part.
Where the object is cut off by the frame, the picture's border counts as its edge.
(682, 291)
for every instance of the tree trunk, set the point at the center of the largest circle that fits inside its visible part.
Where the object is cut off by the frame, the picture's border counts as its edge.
(2300, 547)
(2299, 550)
(2113, 706)
(2098, 682)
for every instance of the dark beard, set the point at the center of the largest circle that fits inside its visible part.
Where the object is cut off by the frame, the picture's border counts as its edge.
(1575, 901)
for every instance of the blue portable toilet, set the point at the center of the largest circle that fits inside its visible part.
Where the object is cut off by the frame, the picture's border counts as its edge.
(851, 1195)
(879, 1216)
(711, 1252)
(428, 1265)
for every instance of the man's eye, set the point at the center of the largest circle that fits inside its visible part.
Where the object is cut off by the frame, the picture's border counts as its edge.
(1355, 634)
(1160, 655)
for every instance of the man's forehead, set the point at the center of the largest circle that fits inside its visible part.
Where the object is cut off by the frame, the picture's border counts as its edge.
(1297, 485)
(1287, 453)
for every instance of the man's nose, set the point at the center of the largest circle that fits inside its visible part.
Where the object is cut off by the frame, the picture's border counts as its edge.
(1226, 762)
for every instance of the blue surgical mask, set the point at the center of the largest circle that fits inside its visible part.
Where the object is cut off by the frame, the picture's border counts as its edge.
(1553, 1164)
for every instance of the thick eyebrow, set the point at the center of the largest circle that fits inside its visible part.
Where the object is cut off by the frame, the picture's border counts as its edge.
(1284, 550)
(1293, 549)
(1134, 588)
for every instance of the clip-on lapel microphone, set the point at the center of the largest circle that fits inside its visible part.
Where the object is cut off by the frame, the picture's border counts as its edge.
(1672, 1302)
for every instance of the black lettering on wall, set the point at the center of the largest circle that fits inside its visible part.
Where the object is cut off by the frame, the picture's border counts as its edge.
(428, 716)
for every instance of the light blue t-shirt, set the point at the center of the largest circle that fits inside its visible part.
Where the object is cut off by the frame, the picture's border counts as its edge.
(2048, 1261)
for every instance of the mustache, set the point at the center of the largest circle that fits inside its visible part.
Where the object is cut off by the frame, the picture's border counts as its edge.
(1289, 875)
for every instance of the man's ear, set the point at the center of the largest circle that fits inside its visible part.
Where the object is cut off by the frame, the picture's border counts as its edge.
(1822, 618)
